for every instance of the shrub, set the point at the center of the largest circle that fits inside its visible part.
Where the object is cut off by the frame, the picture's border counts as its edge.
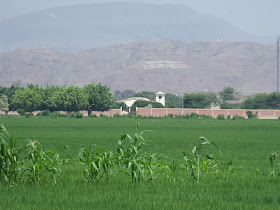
(117, 115)
(221, 117)
(46, 112)
(29, 114)
(21, 111)
(76, 115)
(228, 117)
(102, 115)
(251, 115)
(225, 106)
(204, 116)
(57, 114)
(236, 117)
(93, 115)
(194, 115)
(170, 116)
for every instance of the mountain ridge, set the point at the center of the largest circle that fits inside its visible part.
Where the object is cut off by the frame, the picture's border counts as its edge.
(166, 65)
(74, 28)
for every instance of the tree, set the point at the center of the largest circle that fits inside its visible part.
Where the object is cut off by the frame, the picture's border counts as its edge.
(117, 105)
(146, 94)
(197, 100)
(99, 97)
(10, 92)
(227, 94)
(70, 99)
(4, 105)
(262, 101)
(28, 99)
(124, 94)
(173, 101)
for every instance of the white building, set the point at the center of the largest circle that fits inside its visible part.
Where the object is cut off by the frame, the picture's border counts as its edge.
(130, 101)
(160, 98)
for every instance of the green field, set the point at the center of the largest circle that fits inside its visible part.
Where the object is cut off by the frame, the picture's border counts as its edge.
(247, 142)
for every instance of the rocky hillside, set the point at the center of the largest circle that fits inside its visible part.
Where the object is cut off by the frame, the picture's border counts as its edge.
(165, 65)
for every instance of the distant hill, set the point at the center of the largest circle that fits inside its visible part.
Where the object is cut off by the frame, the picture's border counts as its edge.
(165, 65)
(79, 27)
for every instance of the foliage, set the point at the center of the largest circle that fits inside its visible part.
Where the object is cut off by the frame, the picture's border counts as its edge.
(227, 94)
(197, 162)
(221, 117)
(225, 106)
(72, 99)
(146, 103)
(10, 165)
(29, 99)
(21, 111)
(236, 117)
(4, 105)
(97, 163)
(93, 115)
(197, 100)
(262, 101)
(274, 171)
(76, 115)
(146, 94)
(117, 105)
(251, 115)
(138, 165)
(9, 92)
(247, 143)
(58, 114)
(173, 101)
(124, 94)
(99, 97)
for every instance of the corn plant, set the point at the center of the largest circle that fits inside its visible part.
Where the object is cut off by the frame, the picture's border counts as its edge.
(274, 171)
(196, 162)
(175, 167)
(10, 165)
(139, 165)
(41, 163)
(98, 163)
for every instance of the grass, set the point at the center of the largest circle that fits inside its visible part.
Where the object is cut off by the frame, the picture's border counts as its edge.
(248, 142)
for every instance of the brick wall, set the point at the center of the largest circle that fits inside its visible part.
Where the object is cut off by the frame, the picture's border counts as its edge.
(211, 112)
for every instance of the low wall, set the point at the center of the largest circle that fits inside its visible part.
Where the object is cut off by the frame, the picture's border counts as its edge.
(262, 114)
(84, 112)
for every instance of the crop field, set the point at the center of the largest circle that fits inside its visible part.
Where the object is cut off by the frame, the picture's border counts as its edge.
(237, 174)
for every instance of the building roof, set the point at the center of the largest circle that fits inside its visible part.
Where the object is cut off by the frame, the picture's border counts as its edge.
(160, 93)
(134, 99)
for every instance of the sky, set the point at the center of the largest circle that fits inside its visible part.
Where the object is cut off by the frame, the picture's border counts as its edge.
(257, 17)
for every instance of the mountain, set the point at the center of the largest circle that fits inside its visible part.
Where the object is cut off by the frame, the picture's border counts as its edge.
(165, 65)
(79, 27)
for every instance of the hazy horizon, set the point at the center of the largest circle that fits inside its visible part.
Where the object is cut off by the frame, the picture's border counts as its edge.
(259, 17)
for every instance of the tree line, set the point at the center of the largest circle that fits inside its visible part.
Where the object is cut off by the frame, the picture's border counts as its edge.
(92, 97)
(96, 97)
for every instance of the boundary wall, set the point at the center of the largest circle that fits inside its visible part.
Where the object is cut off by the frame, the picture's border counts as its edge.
(262, 114)
(108, 113)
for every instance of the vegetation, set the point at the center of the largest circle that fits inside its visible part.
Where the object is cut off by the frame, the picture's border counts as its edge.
(124, 94)
(55, 98)
(262, 101)
(225, 106)
(227, 94)
(146, 103)
(132, 167)
(4, 104)
(173, 101)
(146, 94)
(198, 100)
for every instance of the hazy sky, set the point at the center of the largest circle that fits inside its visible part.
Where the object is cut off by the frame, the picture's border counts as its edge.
(259, 17)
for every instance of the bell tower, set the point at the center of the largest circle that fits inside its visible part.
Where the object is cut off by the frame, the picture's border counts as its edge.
(160, 98)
